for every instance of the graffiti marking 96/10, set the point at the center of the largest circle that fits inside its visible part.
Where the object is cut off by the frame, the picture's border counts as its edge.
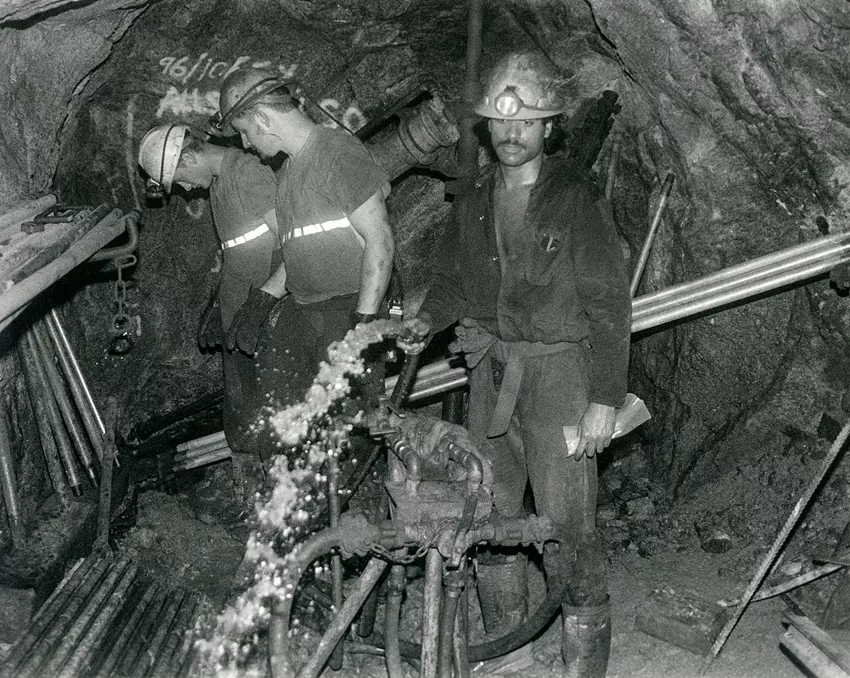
(183, 69)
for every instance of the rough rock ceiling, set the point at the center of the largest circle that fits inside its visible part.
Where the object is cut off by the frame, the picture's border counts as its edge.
(746, 102)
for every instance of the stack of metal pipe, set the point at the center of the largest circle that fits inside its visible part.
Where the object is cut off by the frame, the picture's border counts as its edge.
(743, 281)
(69, 423)
(201, 451)
(103, 620)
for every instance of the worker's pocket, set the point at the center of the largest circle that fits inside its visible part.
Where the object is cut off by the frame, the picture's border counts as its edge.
(546, 256)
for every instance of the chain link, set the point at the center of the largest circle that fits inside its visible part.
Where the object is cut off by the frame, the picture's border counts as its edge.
(122, 321)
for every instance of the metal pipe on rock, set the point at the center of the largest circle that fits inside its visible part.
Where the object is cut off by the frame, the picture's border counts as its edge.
(63, 401)
(45, 433)
(735, 294)
(89, 421)
(99, 624)
(751, 279)
(744, 267)
(650, 236)
(43, 393)
(9, 484)
(26, 211)
(75, 366)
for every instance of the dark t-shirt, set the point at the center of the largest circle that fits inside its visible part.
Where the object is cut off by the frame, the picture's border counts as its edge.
(317, 192)
(241, 197)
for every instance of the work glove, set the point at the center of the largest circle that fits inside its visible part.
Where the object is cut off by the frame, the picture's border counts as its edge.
(210, 331)
(472, 340)
(244, 332)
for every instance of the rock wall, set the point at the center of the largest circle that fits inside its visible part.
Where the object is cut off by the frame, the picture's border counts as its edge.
(745, 102)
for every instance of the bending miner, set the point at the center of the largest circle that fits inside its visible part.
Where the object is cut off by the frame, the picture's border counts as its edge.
(242, 192)
(335, 236)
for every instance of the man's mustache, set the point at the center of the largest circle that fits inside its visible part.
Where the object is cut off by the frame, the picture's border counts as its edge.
(515, 144)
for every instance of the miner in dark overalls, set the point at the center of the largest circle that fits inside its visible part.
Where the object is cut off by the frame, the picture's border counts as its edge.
(533, 269)
(242, 200)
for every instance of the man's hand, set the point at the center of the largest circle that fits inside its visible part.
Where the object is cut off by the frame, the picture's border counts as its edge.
(595, 429)
(244, 332)
(210, 332)
(415, 335)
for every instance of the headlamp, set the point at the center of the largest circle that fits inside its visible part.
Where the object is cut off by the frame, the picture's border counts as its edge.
(508, 103)
(154, 190)
(220, 122)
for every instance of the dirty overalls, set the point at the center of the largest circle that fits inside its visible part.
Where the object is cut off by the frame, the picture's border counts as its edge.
(545, 339)
(242, 203)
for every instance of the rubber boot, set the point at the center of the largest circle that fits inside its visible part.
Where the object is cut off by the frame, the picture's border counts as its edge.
(248, 480)
(586, 640)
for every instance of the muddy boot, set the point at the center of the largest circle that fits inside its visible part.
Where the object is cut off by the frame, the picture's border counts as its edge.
(503, 596)
(248, 481)
(586, 641)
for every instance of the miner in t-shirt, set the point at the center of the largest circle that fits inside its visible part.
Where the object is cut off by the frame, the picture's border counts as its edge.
(242, 195)
(336, 240)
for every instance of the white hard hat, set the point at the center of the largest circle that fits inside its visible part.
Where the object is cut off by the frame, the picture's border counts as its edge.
(160, 152)
(521, 86)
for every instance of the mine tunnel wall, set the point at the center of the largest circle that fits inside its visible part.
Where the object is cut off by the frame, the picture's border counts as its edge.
(745, 105)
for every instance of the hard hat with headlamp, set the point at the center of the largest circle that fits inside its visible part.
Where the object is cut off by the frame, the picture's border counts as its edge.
(521, 86)
(243, 89)
(159, 154)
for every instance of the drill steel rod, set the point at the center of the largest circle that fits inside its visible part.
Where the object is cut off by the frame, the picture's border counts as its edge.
(823, 255)
(61, 623)
(184, 656)
(20, 294)
(203, 459)
(737, 294)
(650, 236)
(793, 252)
(813, 659)
(335, 661)
(9, 483)
(344, 617)
(201, 442)
(75, 632)
(768, 560)
(198, 451)
(163, 623)
(78, 390)
(75, 365)
(107, 612)
(144, 631)
(612, 166)
(43, 394)
(69, 416)
(45, 431)
(431, 614)
(46, 613)
(164, 668)
(117, 650)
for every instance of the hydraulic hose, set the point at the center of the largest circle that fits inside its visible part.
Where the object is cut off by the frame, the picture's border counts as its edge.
(315, 547)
